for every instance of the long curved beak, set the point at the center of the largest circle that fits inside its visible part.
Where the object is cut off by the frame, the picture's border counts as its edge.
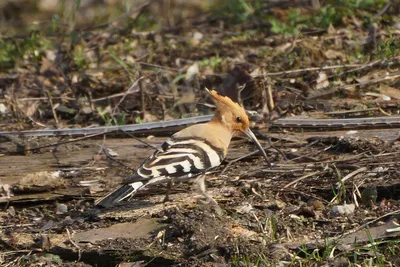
(253, 138)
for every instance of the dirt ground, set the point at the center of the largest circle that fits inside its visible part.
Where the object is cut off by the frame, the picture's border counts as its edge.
(330, 198)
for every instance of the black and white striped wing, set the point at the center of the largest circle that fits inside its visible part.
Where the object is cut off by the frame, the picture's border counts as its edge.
(179, 157)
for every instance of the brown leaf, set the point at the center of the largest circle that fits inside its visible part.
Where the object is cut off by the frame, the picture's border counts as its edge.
(389, 91)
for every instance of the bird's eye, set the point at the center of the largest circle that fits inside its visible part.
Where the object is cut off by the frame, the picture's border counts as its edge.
(238, 119)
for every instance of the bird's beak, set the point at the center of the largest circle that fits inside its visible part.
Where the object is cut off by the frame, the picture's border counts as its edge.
(253, 138)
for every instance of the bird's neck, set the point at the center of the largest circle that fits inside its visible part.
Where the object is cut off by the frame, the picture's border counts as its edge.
(222, 131)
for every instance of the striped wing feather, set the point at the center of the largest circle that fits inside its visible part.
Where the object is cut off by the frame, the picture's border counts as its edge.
(179, 157)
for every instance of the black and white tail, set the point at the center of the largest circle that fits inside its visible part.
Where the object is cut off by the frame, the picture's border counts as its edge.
(120, 194)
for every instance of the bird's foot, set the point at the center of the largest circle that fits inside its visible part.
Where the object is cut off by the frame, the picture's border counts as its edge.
(166, 199)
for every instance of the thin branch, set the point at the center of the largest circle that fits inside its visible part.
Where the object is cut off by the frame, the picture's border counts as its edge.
(306, 69)
(75, 244)
(302, 178)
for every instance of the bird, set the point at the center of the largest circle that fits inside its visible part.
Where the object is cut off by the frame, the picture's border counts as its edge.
(190, 153)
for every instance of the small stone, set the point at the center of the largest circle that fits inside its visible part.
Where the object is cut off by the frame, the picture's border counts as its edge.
(245, 208)
(345, 209)
(340, 262)
(3, 109)
(111, 152)
(11, 211)
(307, 211)
(87, 110)
(278, 252)
(67, 221)
(316, 204)
(61, 209)
(198, 36)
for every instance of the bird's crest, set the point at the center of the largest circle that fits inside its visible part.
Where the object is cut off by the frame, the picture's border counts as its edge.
(226, 101)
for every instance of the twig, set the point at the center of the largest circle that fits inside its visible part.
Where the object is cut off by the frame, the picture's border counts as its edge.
(104, 150)
(306, 69)
(38, 99)
(350, 175)
(368, 223)
(64, 142)
(16, 225)
(344, 112)
(370, 64)
(75, 244)
(238, 159)
(158, 66)
(140, 140)
(311, 155)
(129, 91)
(277, 149)
(383, 10)
(302, 178)
(142, 98)
(390, 76)
(125, 16)
(112, 129)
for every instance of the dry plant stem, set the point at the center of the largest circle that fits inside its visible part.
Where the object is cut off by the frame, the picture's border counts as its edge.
(104, 150)
(158, 66)
(277, 149)
(73, 243)
(243, 157)
(382, 111)
(52, 107)
(142, 98)
(288, 190)
(16, 225)
(383, 10)
(355, 193)
(311, 155)
(270, 98)
(302, 178)
(129, 91)
(64, 142)
(350, 175)
(371, 64)
(112, 24)
(391, 76)
(344, 112)
(307, 69)
(141, 141)
(370, 222)
(39, 99)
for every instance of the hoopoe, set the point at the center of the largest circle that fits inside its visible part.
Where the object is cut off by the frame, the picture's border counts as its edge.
(191, 152)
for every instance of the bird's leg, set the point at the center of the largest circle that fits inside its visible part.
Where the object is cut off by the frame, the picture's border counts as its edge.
(202, 186)
(167, 193)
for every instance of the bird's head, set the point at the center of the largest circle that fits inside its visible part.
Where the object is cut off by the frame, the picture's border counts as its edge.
(229, 113)
(234, 117)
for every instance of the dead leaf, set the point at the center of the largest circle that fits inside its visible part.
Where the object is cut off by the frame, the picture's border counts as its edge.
(322, 80)
(390, 91)
(332, 54)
